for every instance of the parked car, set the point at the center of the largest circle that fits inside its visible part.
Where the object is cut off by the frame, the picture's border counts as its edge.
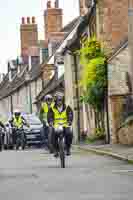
(34, 133)
(8, 139)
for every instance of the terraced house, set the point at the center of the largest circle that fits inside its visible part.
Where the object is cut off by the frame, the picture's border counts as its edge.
(30, 73)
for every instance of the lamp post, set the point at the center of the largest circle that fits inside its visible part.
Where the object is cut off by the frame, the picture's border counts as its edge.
(28, 78)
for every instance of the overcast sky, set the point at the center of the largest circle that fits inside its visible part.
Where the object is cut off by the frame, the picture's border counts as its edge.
(11, 12)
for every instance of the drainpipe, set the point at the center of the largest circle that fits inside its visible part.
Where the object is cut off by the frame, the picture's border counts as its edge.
(11, 104)
(107, 108)
(30, 98)
(77, 94)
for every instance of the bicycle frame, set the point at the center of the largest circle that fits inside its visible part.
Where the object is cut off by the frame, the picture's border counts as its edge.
(61, 143)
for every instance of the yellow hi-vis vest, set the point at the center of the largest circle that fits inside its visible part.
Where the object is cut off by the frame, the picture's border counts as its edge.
(60, 118)
(18, 122)
(46, 109)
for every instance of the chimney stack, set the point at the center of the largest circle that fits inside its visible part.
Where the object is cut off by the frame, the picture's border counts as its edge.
(23, 20)
(52, 19)
(33, 20)
(28, 20)
(49, 4)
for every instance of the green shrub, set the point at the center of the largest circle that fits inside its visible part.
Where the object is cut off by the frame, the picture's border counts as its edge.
(128, 121)
(99, 134)
(94, 75)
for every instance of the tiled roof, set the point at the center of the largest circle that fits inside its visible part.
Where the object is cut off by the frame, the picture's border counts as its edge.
(6, 87)
(123, 44)
(51, 87)
(69, 27)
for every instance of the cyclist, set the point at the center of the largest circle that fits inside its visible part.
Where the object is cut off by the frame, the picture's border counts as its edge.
(17, 121)
(2, 133)
(61, 114)
(46, 105)
(2, 125)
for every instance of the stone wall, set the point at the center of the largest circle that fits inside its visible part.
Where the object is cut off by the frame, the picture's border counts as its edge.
(117, 73)
(5, 108)
(118, 90)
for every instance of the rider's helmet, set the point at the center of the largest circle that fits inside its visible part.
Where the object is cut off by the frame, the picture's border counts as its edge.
(17, 112)
(48, 98)
(59, 98)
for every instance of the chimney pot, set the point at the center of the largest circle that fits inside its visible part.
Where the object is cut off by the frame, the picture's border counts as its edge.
(23, 20)
(49, 4)
(28, 20)
(33, 20)
(56, 3)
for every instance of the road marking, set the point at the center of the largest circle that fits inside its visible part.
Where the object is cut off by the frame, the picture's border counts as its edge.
(123, 171)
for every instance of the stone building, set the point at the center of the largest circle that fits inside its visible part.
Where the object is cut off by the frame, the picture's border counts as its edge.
(25, 78)
(119, 88)
(108, 20)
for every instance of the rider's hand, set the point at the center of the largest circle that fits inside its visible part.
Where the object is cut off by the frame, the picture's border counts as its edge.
(50, 123)
(69, 123)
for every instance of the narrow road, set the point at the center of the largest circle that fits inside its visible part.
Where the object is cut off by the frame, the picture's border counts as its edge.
(36, 175)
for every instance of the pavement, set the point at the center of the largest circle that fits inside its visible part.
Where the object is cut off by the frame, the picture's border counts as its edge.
(118, 151)
(36, 175)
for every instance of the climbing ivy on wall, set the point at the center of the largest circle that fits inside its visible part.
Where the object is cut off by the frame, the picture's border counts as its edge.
(94, 74)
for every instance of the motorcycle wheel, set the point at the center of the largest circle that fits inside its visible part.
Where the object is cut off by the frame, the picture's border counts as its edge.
(0, 147)
(17, 145)
(23, 146)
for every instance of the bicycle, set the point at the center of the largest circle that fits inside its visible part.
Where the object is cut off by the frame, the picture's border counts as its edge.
(61, 144)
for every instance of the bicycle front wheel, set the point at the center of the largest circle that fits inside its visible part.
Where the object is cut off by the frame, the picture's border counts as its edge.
(62, 152)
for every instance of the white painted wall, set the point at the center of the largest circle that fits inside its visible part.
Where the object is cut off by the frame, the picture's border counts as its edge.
(69, 92)
(21, 99)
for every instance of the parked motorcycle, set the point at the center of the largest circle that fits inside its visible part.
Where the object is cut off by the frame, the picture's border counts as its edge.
(20, 138)
(8, 139)
(1, 138)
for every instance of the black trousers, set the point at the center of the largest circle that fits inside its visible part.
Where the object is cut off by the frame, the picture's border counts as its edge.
(14, 136)
(68, 138)
(45, 134)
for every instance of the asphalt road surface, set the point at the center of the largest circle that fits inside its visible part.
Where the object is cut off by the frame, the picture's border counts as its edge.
(36, 175)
